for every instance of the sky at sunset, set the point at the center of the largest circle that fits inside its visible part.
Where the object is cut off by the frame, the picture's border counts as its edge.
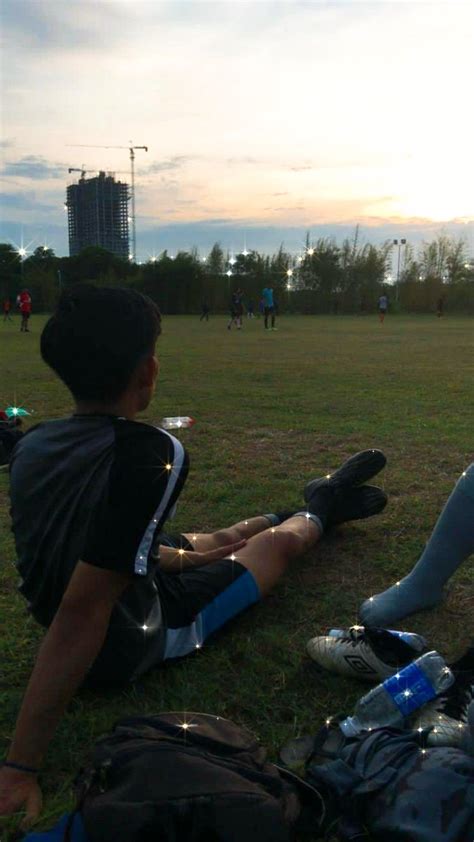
(264, 120)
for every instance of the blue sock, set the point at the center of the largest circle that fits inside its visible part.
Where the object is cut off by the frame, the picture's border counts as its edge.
(451, 542)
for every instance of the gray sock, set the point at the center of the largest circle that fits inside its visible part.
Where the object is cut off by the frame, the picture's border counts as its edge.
(451, 542)
(311, 516)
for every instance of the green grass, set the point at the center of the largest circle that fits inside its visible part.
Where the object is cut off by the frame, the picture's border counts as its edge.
(272, 410)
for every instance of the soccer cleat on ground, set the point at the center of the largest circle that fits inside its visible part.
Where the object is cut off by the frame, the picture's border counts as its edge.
(354, 471)
(356, 504)
(363, 653)
(447, 716)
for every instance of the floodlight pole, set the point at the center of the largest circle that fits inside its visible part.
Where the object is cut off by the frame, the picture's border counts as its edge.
(398, 243)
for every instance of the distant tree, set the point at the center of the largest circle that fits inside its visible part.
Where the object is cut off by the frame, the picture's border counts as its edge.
(215, 261)
(434, 256)
(10, 270)
(456, 261)
(176, 284)
(95, 263)
(43, 253)
(276, 273)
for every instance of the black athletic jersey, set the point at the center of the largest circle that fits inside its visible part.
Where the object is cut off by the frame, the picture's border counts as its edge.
(97, 489)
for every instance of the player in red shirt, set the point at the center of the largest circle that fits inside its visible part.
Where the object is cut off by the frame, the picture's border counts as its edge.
(7, 306)
(24, 303)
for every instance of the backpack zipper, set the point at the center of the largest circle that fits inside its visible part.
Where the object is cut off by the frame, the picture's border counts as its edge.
(110, 762)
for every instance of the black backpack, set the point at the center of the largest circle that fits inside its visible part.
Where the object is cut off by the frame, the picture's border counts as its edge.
(9, 435)
(187, 777)
(385, 785)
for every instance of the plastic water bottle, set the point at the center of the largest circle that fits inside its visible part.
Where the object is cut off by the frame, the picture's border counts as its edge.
(416, 641)
(467, 743)
(177, 422)
(389, 703)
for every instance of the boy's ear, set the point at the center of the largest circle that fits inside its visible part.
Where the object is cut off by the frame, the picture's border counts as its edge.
(148, 371)
(156, 367)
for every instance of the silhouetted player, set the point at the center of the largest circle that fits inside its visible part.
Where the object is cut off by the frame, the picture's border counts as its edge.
(269, 306)
(383, 307)
(204, 311)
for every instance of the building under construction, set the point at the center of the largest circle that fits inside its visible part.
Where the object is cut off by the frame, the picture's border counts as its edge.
(98, 214)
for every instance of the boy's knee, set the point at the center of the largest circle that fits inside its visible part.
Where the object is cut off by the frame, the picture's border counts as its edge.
(287, 541)
(223, 537)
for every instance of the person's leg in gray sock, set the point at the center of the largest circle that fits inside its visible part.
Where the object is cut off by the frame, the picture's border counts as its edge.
(451, 542)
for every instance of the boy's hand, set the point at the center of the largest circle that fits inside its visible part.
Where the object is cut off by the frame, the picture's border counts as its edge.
(220, 552)
(20, 791)
(175, 561)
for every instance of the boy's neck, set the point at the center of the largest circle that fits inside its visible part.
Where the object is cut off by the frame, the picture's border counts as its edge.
(122, 408)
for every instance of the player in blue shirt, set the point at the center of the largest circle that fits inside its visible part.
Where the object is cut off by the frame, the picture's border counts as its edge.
(269, 307)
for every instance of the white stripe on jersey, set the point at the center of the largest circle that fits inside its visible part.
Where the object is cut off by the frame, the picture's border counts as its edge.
(141, 558)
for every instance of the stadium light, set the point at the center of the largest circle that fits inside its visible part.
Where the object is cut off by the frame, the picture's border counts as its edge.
(399, 243)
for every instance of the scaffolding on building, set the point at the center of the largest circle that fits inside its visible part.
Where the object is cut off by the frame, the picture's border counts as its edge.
(98, 214)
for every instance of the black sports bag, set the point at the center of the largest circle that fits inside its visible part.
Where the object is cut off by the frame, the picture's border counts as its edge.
(9, 436)
(187, 777)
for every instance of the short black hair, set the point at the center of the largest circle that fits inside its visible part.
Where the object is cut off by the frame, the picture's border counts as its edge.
(96, 338)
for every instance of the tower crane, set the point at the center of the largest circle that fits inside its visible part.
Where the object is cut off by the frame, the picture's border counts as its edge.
(131, 148)
(82, 171)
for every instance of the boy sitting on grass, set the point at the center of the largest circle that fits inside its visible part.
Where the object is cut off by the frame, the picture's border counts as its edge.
(89, 498)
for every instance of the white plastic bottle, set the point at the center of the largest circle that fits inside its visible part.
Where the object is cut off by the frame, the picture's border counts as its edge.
(389, 703)
(177, 422)
(467, 743)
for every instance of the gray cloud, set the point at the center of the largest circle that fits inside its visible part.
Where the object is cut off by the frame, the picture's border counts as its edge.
(7, 143)
(173, 163)
(59, 25)
(302, 167)
(287, 208)
(244, 159)
(25, 202)
(35, 167)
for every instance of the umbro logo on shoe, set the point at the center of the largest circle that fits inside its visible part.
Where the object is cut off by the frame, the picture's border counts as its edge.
(357, 663)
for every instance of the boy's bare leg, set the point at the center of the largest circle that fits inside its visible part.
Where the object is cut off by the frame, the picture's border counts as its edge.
(205, 541)
(268, 553)
(269, 549)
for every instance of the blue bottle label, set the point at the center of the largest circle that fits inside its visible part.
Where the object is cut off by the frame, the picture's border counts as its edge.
(409, 689)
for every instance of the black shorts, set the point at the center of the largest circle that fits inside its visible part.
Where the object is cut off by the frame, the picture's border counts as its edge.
(197, 602)
(268, 311)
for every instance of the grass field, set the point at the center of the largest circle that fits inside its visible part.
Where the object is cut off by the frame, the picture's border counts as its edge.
(272, 411)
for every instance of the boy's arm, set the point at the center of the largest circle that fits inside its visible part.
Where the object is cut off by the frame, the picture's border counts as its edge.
(70, 647)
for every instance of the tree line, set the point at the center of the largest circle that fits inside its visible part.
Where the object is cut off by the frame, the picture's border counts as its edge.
(326, 278)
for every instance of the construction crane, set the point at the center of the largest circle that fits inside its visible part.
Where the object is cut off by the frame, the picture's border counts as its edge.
(82, 171)
(131, 149)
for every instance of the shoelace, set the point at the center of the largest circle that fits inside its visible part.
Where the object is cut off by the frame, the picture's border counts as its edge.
(354, 635)
(455, 702)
